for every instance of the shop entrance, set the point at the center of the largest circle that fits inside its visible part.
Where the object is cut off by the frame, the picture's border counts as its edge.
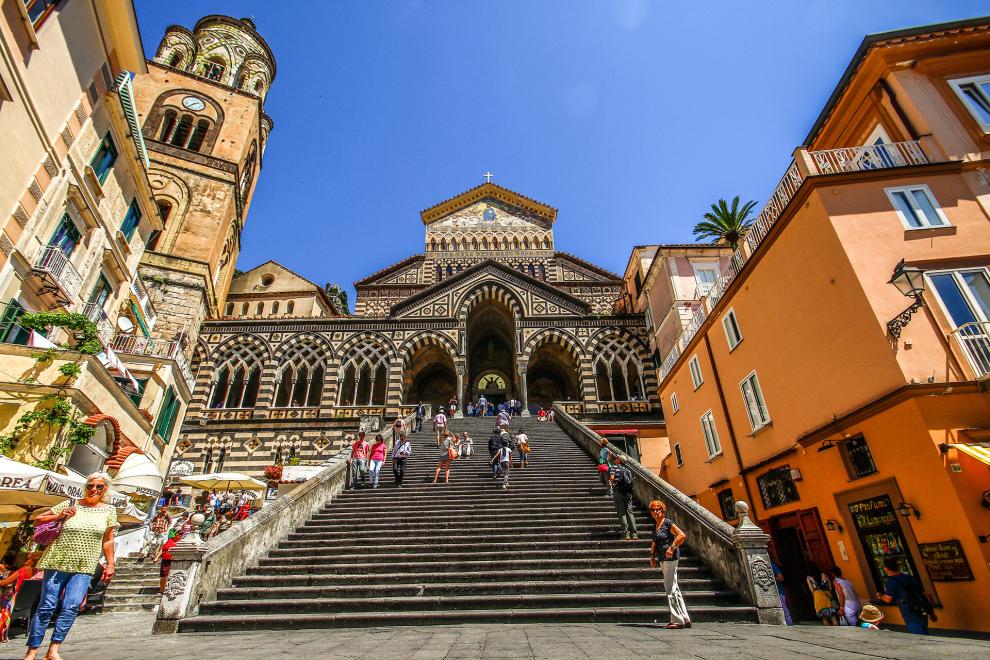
(799, 548)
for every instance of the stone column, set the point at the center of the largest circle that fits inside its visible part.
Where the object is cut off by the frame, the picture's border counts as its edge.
(522, 386)
(751, 544)
(187, 561)
(460, 368)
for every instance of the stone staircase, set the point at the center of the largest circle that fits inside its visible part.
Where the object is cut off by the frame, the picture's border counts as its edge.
(133, 588)
(545, 549)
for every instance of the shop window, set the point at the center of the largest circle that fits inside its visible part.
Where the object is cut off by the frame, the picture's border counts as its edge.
(777, 487)
(727, 504)
(625, 443)
(857, 457)
(975, 95)
(103, 160)
(880, 534)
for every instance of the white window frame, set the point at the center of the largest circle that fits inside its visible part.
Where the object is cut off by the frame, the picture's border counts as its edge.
(712, 444)
(731, 315)
(678, 457)
(759, 406)
(918, 212)
(957, 88)
(695, 368)
(878, 133)
(674, 406)
(974, 304)
(704, 265)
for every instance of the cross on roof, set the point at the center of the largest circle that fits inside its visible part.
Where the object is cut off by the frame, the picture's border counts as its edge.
(488, 177)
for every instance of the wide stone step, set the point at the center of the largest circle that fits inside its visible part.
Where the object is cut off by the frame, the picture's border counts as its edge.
(618, 614)
(507, 521)
(495, 586)
(477, 542)
(465, 602)
(463, 573)
(600, 525)
(505, 501)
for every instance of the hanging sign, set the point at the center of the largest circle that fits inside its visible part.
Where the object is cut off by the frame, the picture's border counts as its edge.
(945, 561)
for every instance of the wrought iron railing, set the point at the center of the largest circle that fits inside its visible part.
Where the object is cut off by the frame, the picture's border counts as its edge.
(144, 300)
(125, 92)
(54, 263)
(168, 349)
(870, 157)
(689, 331)
(104, 327)
(974, 340)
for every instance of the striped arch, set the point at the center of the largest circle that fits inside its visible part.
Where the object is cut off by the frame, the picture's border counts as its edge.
(367, 336)
(417, 341)
(554, 336)
(253, 341)
(619, 367)
(621, 334)
(485, 292)
(302, 338)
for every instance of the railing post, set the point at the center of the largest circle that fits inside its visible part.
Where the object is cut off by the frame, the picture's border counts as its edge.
(805, 163)
(751, 544)
(187, 560)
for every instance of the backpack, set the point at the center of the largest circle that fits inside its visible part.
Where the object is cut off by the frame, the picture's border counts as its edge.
(915, 601)
(623, 479)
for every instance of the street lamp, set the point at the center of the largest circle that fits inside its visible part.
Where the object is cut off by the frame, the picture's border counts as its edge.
(906, 509)
(910, 281)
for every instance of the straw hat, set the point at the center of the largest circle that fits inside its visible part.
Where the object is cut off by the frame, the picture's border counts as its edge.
(871, 614)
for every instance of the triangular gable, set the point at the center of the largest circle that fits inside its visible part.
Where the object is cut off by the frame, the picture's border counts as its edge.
(493, 192)
(583, 269)
(536, 297)
(289, 277)
(394, 272)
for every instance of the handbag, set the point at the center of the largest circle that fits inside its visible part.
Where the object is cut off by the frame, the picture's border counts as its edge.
(451, 453)
(603, 467)
(524, 447)
(46, 533)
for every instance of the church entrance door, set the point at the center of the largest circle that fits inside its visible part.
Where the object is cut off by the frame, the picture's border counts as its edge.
(491, 363)
(429, 376)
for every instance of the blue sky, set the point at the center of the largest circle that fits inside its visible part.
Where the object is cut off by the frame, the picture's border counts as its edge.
(629, 116)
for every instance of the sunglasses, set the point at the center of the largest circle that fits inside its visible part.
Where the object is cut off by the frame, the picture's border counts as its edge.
(96, 487)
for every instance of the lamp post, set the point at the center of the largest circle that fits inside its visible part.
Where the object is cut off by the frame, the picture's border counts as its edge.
(910, 281)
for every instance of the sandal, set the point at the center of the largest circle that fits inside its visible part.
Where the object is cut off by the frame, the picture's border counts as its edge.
(674, 626)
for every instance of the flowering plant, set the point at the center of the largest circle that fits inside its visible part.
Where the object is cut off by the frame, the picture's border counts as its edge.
(273, 472)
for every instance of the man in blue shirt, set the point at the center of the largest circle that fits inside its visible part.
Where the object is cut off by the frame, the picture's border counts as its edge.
(909, 595)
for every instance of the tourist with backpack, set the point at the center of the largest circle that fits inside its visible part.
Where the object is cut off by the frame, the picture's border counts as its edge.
(401, 451)
(909, 595)
(665, 548)
(622, 495)
(378, 453)
(604, 465)
(502, 461)
(448, 452)
(494, 444)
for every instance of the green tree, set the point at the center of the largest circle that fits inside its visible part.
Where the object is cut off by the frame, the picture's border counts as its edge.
(725, 223)
(338, 294)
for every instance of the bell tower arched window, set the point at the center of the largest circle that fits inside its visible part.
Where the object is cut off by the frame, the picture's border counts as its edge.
(214, 69)
(168, 125)
(199, 135)
(175, 60)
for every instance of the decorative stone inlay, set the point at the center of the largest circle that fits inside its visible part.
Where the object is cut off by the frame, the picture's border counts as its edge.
(35, 190)
(762, 574)
(21, 216)
(67, 137)
(6, 246)
(176, 585)
(81, 113)
(50, 167)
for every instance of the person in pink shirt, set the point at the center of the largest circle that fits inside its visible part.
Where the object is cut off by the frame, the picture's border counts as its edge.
(378, 451)
(359, 460)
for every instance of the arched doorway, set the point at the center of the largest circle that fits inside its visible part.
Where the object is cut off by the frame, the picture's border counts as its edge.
(552, 376)
(429, 376)
(491, 354)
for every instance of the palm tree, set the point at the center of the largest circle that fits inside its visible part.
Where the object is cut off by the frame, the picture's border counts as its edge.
(724, 222)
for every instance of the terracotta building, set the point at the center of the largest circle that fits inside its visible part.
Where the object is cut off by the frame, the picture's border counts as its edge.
(77, 211)
(835, 374)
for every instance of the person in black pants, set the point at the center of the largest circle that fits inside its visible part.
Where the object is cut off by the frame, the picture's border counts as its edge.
(622, 494)
(494, 444)
(400, 453)
(420, 413)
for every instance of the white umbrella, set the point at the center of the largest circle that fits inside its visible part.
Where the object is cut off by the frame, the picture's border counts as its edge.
(224, 480)
(26, 490)
(139, 475)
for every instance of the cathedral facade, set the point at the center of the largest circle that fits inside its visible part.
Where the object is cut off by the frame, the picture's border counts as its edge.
(488, 308)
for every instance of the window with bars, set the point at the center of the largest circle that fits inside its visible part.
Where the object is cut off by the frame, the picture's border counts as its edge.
(857, 457)
(777, 487)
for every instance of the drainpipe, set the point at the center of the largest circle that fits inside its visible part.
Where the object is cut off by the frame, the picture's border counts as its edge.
(728, 423)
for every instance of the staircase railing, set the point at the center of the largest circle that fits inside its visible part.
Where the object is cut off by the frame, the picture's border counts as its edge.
(737, 555)
(200, 568)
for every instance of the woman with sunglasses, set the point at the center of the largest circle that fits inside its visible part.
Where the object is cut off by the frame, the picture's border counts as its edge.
(70, 561)
(667, 538)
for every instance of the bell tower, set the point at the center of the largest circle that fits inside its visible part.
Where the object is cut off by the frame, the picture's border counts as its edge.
(202, 108)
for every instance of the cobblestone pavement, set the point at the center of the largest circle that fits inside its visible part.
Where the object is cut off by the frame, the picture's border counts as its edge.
(126, 635)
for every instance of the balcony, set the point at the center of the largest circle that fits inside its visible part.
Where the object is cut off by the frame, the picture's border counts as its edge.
(104, 327)
(57, 275)
(974, 341)
(144, 302)
(810, 163)
(167, 349)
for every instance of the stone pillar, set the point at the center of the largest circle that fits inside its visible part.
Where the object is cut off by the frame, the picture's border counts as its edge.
(523, 366)
(187, 561)
(589, 390)
(460, 368)
(805, 163)
(393, 392)
(751, 544)
(266, 390)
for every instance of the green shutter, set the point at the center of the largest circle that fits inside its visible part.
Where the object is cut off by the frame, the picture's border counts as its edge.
(168, 414)
(140, 320)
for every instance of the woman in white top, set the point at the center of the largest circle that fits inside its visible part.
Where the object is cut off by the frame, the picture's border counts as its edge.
(849, 605)
(440, 425)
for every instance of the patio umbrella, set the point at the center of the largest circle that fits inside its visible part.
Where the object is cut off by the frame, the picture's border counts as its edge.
(138, 475)
(224, 480)
(25, 489)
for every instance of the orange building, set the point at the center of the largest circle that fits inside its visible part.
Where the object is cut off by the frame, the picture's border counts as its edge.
(836, 374)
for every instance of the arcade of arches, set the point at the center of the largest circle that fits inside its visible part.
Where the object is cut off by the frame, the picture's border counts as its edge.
(526, 323)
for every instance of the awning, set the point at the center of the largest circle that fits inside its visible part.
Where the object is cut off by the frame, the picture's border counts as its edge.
(615, 431)
(27, 490)
(138, 475)
(979, 451)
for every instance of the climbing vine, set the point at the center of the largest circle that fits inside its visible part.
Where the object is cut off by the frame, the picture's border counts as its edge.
(54, 414)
